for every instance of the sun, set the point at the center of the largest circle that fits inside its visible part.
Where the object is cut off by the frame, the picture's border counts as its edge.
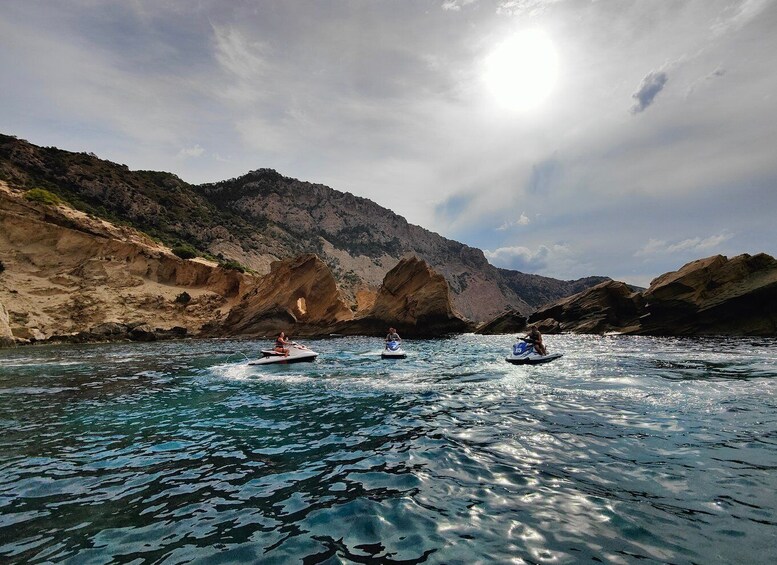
(522, 71)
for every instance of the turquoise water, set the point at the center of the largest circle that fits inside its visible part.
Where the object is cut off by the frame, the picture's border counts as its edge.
(626, 450)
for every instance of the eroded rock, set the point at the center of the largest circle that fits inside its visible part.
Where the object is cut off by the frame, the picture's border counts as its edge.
(299, 296)
(414, 299)
(506, 323)
(608, 306)
(714, 296)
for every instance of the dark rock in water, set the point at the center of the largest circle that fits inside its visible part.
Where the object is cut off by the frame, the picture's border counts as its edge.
(108, 330)
(506, 323)
(714, 296)
(548, 326)
(143, 332)
(609, 306)
(176, 332)
(414, 299)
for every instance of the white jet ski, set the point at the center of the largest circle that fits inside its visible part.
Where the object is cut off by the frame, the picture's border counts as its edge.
(297, 354)
(393, 350)
(524, 354)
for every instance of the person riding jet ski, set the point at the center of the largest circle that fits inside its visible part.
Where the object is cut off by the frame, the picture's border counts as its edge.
(393, 336)
(535, 338)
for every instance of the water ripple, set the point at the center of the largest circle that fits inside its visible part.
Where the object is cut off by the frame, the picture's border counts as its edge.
(626, 449)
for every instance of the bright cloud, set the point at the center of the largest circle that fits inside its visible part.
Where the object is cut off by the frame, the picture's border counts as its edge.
(690, 245)
(524, 259)
(187, 152)
(523, 220)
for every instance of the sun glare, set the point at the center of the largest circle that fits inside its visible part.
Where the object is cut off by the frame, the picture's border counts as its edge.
(523, 70)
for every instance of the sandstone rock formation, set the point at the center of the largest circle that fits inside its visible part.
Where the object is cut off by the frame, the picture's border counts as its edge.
(506, 323)
(712, 296)
(66, 272)
(715, 295)
(609, 306)
(299, 296)
(415, 300)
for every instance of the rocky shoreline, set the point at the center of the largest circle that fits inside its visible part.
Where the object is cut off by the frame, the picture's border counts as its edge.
(711, 296)
(68, 277)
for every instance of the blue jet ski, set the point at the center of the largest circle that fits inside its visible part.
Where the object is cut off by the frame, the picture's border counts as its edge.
(393, 350)
(525, 354)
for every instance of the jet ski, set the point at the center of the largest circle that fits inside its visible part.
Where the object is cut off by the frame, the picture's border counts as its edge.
(393, 350)
(297, 354)
(525, 354)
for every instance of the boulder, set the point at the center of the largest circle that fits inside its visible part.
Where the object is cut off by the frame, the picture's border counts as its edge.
(414, 299)
(143, 332)
(299, 296)
(608, 306)
(714, 296)
(108, 330)
(508, 322)
(6, 336)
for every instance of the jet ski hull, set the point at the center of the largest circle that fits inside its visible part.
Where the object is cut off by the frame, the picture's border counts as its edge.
(393, 350)
(532, 359)
(399, 354)
(295, 356)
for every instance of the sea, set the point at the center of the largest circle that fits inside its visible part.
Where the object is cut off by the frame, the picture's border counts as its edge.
(625, 450)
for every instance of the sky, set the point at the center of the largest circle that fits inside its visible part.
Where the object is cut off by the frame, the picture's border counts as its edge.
(563, 137)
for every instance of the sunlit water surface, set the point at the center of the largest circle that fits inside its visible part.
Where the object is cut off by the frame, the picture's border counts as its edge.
(625, 450)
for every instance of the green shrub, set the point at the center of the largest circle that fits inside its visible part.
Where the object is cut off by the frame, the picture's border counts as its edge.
(185, 251)
(233, 265)
(43, 196)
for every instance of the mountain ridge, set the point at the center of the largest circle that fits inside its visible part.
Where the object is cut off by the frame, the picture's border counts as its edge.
(264, 216)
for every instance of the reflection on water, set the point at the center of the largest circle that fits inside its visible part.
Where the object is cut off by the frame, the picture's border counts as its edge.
(626, 449)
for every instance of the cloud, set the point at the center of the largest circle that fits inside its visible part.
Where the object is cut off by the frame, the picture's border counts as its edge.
(651, 85)
(524, 259)
(523, 7)
(523, 220)
(739, 15)
(691, 245)
(187, 152)
(456, 5)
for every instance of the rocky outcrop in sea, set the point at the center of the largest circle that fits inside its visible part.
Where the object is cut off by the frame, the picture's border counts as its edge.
(712, 296)
(506, 323)
(415, 300)
(299, 296)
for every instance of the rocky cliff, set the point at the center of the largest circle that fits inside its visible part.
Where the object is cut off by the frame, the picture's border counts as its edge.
(414, 299)
(715, 295)
(609, 306)
(65, 272)
(262, 217)
(506, 323)
(299, 296)
(68, 276)
(712, 296)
